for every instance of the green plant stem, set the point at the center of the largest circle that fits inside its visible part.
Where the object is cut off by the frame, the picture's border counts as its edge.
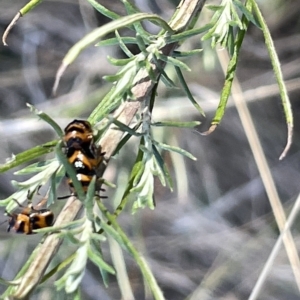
(145, 269)
(102, 31)
(279, 77)
(230, 74)
(28, 155)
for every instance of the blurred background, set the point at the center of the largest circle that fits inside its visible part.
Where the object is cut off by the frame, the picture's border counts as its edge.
(210, 238)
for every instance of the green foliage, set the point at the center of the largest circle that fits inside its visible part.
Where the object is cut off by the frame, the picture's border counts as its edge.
(31, 185)
(86, 250)
(225, 19)
(227, 28)
(27, 156)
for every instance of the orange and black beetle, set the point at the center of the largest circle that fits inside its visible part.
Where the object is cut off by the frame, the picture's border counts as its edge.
(30, 218)
(78, 134)
(81, 152)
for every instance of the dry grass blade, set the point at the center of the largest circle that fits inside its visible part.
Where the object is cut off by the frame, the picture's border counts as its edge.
(266, 269)
(289, 141)
(121, 273)
(9, 27)
(210, 130)
(141, 89)
(264, 170)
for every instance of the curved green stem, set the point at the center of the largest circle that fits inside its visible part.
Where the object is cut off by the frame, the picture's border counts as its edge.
(145, 269)
(279, 77)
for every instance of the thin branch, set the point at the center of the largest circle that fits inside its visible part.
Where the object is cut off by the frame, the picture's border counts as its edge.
(268, 265)
(141, 89)
(9, 27)
(279, 77)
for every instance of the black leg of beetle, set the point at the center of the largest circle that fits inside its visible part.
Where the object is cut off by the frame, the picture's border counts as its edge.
(100, 197)
(38, 190)
(68, 196)
(64, 197)
(20, 205)
(10, 221)
(98, 194)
